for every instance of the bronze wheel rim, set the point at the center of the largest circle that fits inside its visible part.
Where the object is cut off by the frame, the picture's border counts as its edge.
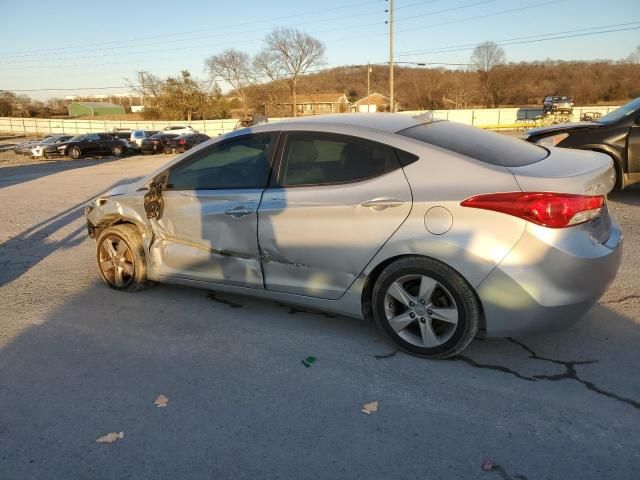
(115, 260)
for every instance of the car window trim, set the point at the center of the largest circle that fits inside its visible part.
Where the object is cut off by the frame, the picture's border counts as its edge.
(270, 157)
(279, 180)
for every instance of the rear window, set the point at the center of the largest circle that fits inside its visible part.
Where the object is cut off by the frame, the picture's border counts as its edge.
(488, 147)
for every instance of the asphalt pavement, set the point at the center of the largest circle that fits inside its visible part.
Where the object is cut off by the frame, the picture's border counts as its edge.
(79, 360)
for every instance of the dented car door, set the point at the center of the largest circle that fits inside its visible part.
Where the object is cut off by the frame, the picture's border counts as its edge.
(206, 223)
(337, 200)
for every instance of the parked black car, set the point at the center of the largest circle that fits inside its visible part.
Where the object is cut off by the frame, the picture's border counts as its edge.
(156, 143)
(184, 142)
(92, 144)
(617, 134)
(123, 134)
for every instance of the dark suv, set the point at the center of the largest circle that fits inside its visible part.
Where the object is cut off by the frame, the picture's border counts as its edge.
(92, 144)
(557, 104)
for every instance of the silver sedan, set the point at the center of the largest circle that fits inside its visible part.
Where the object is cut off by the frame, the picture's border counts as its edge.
(437, 231)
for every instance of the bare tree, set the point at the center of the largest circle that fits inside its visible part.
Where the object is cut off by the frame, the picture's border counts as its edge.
(234, 67)
(148, 86)
(484, 58)
(634, 57)
(289, 54)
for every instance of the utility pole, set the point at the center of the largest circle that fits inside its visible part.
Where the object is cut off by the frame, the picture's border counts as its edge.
(392, 107)
(368, 75)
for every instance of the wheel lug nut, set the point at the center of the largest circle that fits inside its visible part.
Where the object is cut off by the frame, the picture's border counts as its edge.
(422, 302)
(412, 315)
(411, 304)
(429, 312)
(423, 320)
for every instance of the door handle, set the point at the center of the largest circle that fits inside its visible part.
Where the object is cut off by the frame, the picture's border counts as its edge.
(238, 211)
(382, 203)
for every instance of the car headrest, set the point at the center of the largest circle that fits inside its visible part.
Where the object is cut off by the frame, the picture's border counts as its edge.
(303, 151)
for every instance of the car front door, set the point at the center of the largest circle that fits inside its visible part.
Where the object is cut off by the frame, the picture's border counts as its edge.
(336, 201)
(633, 149)
(208, 228)
(90, 144)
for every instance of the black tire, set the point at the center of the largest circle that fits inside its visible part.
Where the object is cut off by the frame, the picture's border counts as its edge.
(116, 151)
(75, 153)
(469, 310)
(130, 235)
(44, 155)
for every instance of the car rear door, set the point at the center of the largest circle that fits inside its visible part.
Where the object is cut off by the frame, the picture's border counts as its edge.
(208, 230)
(335, 201)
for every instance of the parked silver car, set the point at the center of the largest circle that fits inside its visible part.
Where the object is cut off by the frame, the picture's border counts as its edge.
(436, 230)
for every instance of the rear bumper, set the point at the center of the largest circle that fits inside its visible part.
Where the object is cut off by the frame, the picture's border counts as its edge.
(547, 284)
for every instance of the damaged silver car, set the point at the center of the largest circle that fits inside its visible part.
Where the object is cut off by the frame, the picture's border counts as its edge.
(437, 231)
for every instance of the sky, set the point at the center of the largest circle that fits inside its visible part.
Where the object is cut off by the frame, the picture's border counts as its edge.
(79, 44)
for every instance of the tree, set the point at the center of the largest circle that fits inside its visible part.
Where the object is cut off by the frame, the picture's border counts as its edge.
(634, 57)
(7, 101)
(148, 86)
(485, 57)
(288, 54)
(234, 67)
(182, 96)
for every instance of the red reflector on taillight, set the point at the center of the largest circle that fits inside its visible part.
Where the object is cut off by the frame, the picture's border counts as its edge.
(553, 210)
(182, 141)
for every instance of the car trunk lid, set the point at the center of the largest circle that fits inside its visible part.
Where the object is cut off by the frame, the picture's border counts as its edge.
(568, 171)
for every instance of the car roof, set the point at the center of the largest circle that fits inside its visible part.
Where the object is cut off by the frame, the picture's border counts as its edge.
(387, 122)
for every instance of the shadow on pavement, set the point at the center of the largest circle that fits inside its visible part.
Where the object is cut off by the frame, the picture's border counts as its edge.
(23, 173)
(241, 404)
(21, 252)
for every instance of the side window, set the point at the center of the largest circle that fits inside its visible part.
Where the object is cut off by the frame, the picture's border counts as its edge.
(325, 159)
(92, 136)
(239, 163)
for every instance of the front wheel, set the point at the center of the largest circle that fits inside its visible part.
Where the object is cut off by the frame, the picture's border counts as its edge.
(425, 307)
(121, 259)
(116, 151)
(75, 153)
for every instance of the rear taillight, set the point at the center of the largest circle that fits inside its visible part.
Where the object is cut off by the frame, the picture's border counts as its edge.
(553, 210)
(182, 141)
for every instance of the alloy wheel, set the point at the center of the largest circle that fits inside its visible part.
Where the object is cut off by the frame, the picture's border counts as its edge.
(115, 260)
(421, 310)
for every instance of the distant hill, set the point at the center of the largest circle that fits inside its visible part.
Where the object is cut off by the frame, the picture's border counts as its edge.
(517, 84)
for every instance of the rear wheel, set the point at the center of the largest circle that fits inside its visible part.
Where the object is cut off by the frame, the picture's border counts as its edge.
(116, 151)
(425, 307)
(75, 153)
(121, 259)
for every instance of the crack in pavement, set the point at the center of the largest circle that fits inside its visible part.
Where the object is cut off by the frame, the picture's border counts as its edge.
(229, 303)
(621, 300)
(570, 373)
(498, 368)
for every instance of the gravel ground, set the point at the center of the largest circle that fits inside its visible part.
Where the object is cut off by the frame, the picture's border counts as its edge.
(78, 360)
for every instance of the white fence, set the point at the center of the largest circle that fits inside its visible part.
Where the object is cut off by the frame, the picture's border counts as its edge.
(76, 126)
(505, 117)
(495, 118)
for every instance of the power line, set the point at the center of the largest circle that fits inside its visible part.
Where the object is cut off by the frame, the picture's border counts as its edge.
(544, 39)
(253, 22)
(493, 14)
(408, 53)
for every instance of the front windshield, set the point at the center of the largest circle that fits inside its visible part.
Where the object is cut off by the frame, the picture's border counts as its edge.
(77, 138)
(621, 112)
